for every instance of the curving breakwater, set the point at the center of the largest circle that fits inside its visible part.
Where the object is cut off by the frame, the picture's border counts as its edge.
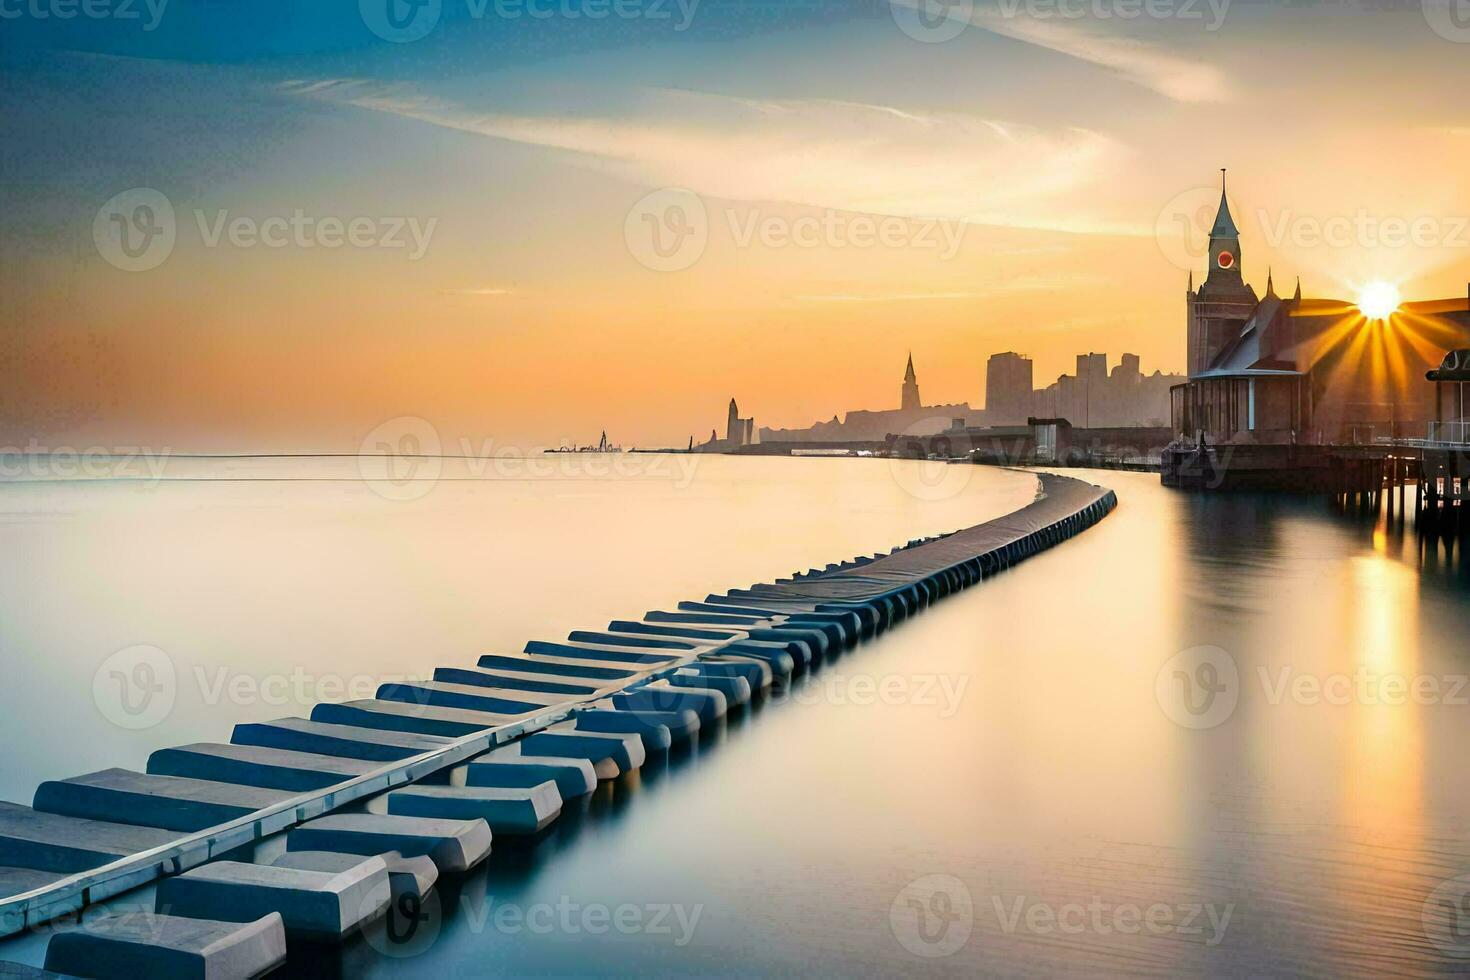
(522, 733)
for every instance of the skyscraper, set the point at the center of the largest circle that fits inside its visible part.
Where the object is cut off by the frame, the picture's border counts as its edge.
(1008, 379)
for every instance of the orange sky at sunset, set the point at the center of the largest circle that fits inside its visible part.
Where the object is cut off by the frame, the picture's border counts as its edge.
(529, 319)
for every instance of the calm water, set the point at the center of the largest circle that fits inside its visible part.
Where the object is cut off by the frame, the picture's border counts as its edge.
(1211, 736)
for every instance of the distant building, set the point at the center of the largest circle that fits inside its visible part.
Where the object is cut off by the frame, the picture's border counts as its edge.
(738, 432)
(1095, 398)
(909, 401)
(1007, 389)
(913, 417)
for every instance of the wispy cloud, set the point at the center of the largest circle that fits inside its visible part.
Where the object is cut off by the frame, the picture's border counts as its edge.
(811, 152)
(1177, 77)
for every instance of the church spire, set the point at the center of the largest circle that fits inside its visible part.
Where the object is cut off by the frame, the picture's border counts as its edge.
(1224, 223)
(1298, 297)
(910, 399)
(1270, 286)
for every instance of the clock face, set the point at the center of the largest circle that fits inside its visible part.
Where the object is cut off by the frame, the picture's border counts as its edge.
(1225, 260)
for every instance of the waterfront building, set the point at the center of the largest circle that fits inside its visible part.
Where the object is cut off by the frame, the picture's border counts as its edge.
(1292, 371)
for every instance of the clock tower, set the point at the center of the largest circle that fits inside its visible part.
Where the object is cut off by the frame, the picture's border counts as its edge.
(1224, 302)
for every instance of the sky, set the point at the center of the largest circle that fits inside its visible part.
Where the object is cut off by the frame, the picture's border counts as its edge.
(244, 226)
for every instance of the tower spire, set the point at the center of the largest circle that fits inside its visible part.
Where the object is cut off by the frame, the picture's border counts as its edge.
(1298, 297)
(1270, 286)
(1224, 223)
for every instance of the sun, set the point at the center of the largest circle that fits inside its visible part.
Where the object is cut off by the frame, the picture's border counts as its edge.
(1378, 300)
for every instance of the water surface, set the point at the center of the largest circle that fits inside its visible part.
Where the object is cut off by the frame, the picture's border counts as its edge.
(1032, 778)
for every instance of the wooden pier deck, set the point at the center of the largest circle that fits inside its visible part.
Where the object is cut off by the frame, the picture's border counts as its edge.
(533, 729)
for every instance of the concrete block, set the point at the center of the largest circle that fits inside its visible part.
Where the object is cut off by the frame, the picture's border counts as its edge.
(681, 724)
(600, 654)
(515, 680)
(558, 666)
(343, 741)
(166, 947)
(413, 876)
(170, 802)
(460, 696)
(50, 842)
(454, 845)
(655, 736)
(611, 754)
(316, 906)
(401, 716)
(735, 689)
(710, 705)
(507, 767)
(252, 765)
(508, 810)
(18, 881)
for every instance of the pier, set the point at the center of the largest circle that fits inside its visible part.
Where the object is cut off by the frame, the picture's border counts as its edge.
(479, 751)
